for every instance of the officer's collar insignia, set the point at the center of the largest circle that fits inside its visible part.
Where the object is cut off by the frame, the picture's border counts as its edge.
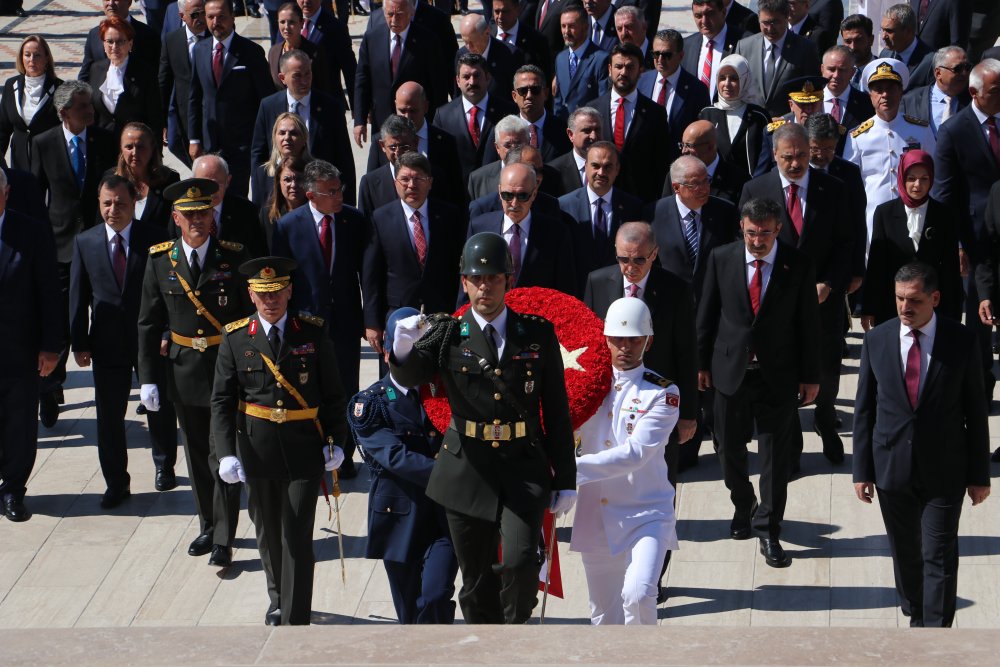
(465, 328)
(391, 393)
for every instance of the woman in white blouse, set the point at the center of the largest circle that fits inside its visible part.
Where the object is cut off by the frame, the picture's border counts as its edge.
(124, 90)
(26, 108)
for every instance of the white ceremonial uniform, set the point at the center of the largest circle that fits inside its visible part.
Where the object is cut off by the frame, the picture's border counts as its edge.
(624, 522)
(877, 146)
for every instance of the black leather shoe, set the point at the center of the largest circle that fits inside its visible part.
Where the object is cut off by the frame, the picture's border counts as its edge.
(112, 498)
(273, 615)
(221, 556)
(661, 594)
(48, 409)
(359, 10)
(773, 554)
(140, 409)
(833, 448)
(165, 479)
(14, 509)
(254, 12)
(201, 545)
(347, 470)
(739, 528)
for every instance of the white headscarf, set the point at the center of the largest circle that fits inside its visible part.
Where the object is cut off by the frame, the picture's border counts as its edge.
(746, 96)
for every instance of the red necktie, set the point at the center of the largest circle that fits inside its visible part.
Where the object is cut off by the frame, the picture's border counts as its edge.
(305, 28)
(836, 111)
(541, 14)
(397, 52)
(633, 290)
(795, 209)
(991, 128)
(118, 256)
(515, 250)
(419, 240)
(533, 130)
(661, 99)
(326, 241)
(756, 285)
(706, 67)
(217, 59)
(922, 12)
(474, 125)
(912, 376)
(620, 125)
(503, 36)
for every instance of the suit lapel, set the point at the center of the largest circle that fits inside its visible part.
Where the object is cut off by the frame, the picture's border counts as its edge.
(779, 274)
(757, 64)
(259, 340)
(403, 234)
(137, 247)
(232, 57)
(208, 262)
(476, 340)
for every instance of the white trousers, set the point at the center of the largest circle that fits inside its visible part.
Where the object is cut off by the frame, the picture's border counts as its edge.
(623, 587)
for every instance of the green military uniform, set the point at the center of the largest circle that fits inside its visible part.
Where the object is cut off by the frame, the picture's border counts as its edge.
(279, 441)
(168, 310)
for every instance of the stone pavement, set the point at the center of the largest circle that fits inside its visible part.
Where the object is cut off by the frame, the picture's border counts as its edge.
(76, 566)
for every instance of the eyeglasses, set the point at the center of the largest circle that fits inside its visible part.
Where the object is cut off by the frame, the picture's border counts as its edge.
(666, 55)
(519, 196)
(637, 261)
(695, 185)
(396, 147)
(332, 193)
(960, 68)
(407, 181)
(524, 90)
(816, 150)
(690, 147)
(759, 235)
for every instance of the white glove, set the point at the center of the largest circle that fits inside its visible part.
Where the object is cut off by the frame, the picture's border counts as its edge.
(562, 501)
(231, 470)
(408, 331)
(149, 396)
(335, 460)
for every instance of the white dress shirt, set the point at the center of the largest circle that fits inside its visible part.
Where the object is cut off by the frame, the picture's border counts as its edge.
(629, 109)
(508, 234)
(303, 105)
(402, 43)
(671, 89)
(642, 286)
(318, 221)
(592, 197)
(265, 326)
(803, 184)
(114, 85)
(982, 122)
(34, 93)
(916, 218)
(480, 115)
(201, 252)
(718, 44)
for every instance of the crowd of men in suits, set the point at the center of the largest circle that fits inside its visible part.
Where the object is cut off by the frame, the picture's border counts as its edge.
(553, 125)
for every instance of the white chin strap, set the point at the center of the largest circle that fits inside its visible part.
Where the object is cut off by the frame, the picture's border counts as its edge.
(645, 346)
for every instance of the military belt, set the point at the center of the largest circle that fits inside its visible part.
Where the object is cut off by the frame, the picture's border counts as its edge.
(495, 431)
(277, 415)
(200, 343)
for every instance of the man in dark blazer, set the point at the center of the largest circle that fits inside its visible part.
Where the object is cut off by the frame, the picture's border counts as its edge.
(109, 261)
(510, 132)
(700, 140)
(547, 198)
(145, 46)
(25, 195)
(68, 160)
(30, 296)
(583, 128)
(947, 95)
(741, 17)
(456, 118)
(788, 56)
(644, 139)
(433, 19)
(324, 117)
(502, 59)
(220, 110)
(593, 231)
(330, 33)
(543, 256)
(531, 95)
(899, 32)
(816, 221)
(327, 240)
(535, 30)
(378, 186)
(589, 78)
(802, 23)
(673, 88)
(713, 26)
(420, 59)
(175, 76)
(943, 23)
(921, 438)
(404, 265)
(601, 19)
(827, 14)
(758, 323)
(847, 105)
(236, 219)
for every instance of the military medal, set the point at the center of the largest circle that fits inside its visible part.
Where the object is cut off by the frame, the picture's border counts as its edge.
(223, 299)
(629, 427)
(618, 387)
(529, 386)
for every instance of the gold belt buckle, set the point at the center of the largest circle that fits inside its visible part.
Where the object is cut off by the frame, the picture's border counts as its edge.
(278, 415)
(200, 344)
(496, 432)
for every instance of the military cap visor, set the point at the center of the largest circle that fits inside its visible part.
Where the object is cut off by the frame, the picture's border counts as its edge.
(192, 194)
(268, 274)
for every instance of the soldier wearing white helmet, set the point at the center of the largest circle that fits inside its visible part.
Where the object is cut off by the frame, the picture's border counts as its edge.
(625, 520)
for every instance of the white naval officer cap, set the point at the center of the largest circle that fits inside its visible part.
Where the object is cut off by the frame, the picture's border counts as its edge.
(885, 69)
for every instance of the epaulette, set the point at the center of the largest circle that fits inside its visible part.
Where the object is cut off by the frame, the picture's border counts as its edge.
(653, 378)
(913, 120)
(771, 127)
(311, 319)
(238, 324)
(368, 408)
(231, 245)
(864, 127)
(161, 247)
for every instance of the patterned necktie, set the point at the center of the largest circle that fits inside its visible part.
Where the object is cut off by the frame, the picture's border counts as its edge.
(795, 208)
(118, 259)
(217, 59)
(691, 236)
(600, 221)
(661, 99)
(195, 266)
(836, 111)
(274, 338)
(533, 139)
(991, 127)
(757, 285)
(419, 239)
(706, 67)
(474, 125)
(79, 161)
(620, 125)
(573, 64)
(633, 290)
(397, 52)
(306, 25)
(294, 108)
(542, 12)
(912, 376)
(515, 249)
(326, 241)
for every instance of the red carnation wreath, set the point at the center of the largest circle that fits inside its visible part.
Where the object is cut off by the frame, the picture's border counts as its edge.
(586, 358)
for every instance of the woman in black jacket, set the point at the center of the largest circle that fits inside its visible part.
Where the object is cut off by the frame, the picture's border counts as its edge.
(26, 108)
(125, 88)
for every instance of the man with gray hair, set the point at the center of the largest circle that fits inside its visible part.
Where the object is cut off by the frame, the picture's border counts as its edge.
(68, 160)
(848, 106)
(510, 132)
(175, 74)
(234, 218)
(378, 187)
(583, 129)
(502, 60)
(949, 94)
(899, 32)
(630, 25)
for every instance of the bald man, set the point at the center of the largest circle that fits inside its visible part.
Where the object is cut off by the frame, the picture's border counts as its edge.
(700, 140)
(500, 56)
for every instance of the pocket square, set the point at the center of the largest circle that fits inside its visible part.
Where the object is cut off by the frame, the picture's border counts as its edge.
(239, 67)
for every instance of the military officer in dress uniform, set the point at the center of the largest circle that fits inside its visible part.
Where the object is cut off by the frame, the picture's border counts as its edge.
(624, 523)
(805, 97)
(497, 471)
(191, 287)
(277, 414)
(877, 144)
(406, 529)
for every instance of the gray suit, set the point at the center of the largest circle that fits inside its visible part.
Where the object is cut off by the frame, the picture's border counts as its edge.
(798, 57)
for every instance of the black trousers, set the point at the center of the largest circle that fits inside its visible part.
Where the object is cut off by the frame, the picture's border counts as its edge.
(984, 333)
(832, 319)
(348, 352)
(776, 421)
(18, 433)
(923, 540)
(422, 589)
(54, 381)
(218, 503)
(284, 513)
(497, 592)
(112, 386)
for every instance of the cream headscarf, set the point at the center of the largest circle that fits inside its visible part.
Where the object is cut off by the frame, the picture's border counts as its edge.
(746, 96)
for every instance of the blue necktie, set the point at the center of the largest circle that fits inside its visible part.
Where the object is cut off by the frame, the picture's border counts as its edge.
(691, 237)
(79, 163)
(572, 64)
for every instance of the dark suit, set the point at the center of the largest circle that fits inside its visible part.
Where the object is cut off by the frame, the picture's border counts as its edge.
(570, 176)
(822, 36)
(14, 132)
(145, 47)
(693, 45)
(433, 20)
(553, 138)
(850, 174)
(727, 182)
(827, 13)
(647, 142)
(592, 250)
(25, 195)
(377, 189)
(744, 150)
(328, 136)
(331, 35)
(406, 530)
(917, 56)
(452, 119)
(743, 18)
(922, 459)
(609, 36)
(421, 61)
(782, 338)
(442, 151)
(946, 23)
(138, 101)
(503, 61)
(690, 97)
(175, 91)
(798, 57)
(892, 248)
(539, 42)
(484, 182)
(222, 117)
(391, 276)
(29, 296)
(986, 270)
(239, 224)
(589, 81)
(109, 333)
(917, 103)
(544, 204)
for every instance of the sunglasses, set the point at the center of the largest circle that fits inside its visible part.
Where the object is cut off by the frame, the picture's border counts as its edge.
(638, 261)
(524, 90)
(666, 55)
(519, 196)
(960, 68)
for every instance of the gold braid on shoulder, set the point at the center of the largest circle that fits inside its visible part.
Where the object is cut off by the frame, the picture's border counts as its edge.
(442, 327)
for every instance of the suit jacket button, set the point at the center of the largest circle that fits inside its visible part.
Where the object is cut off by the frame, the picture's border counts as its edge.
(388, 509)
(432, 434)
(445, 446)
(495, 445)
(497, 397)
(607, 443)
(197, 293)
(465, 369)
(200, 331)
(497, 371)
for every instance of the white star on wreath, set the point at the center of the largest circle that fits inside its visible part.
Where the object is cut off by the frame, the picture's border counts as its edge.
(569, 359)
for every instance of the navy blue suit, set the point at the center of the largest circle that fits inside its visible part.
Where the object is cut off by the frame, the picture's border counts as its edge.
(109, 332)
(590, 81)
(406, 529)
(690, 97)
